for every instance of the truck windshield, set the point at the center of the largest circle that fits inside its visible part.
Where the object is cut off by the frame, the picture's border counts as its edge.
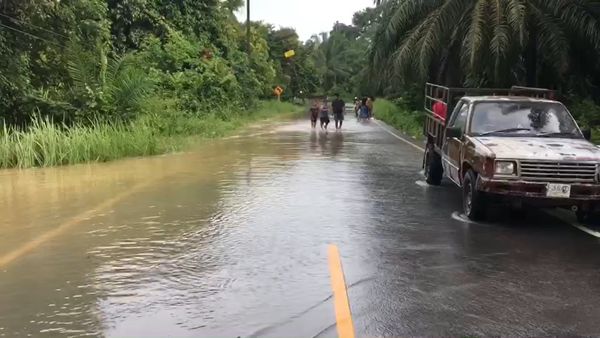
(542, 119)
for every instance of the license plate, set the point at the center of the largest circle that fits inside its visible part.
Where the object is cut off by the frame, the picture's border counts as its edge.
(558, 190)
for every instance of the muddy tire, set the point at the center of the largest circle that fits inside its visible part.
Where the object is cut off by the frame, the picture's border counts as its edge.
(433, 167)
(474, 201)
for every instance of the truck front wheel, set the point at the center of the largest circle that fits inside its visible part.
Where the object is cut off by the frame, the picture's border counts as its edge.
(474, 201)
(433, 167)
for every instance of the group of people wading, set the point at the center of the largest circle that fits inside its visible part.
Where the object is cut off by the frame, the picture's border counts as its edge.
(319, 110)
(363, 109)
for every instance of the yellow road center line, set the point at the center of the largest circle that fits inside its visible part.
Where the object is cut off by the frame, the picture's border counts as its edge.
(36, 242)
(343, 317)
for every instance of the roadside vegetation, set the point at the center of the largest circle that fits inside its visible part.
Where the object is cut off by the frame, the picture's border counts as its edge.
(400, 117)
(390, 51)
(551, 44)
(97, 80)
(75, 71)
(45, 143)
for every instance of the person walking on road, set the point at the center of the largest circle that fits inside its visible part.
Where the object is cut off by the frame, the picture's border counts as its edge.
(338, 106)
(369, 104)
(364, 110)
(357, 105)
(324, 114)
(314, 114)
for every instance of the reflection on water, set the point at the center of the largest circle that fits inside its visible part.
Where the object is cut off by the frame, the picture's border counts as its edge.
(187, 245)
(337, 143)
(329, 143)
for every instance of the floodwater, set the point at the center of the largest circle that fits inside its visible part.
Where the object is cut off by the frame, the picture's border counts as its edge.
(230, 239)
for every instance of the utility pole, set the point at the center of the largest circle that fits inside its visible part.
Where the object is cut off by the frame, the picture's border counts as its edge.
(248, 47)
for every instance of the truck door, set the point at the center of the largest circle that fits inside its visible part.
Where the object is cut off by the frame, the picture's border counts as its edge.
(452, 146)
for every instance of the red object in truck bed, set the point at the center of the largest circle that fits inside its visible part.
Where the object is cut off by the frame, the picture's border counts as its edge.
(440, 110)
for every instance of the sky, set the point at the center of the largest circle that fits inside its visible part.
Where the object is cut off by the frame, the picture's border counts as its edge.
(308, 17)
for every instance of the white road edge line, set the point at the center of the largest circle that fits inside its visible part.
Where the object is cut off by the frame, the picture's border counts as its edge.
(586, 230)
(577, 225)
(564, 218)
(399, 137)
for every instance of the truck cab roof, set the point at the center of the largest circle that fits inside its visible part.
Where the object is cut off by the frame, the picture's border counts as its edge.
(475, 99)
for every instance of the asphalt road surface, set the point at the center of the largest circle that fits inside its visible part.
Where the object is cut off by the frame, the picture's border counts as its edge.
(231, 240)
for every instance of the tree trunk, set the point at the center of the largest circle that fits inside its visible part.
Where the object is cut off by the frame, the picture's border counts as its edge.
(531, 60)
(442, 69)
(450, 73)
(248, 45)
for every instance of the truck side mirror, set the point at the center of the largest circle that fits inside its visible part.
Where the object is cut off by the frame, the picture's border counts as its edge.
(587, 134)
(453, 132)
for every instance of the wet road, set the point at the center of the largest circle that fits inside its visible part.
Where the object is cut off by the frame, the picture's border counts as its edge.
(231, 240)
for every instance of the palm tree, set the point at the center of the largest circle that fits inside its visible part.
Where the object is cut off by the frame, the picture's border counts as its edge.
(478, 42)
(115, 86)
(333, 60)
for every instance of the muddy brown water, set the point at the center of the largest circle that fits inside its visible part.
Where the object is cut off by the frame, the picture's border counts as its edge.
(230, 239)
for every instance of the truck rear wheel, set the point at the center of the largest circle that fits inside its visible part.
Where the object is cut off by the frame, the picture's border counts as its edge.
(433, 167)
(474, 201)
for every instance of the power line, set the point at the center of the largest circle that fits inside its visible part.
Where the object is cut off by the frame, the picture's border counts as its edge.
(30, 35)
(32, 25)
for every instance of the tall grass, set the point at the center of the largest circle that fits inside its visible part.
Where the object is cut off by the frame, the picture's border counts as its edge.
(409, 122)
(48, 144)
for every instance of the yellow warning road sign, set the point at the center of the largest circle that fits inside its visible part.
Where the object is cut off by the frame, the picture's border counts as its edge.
(289, 53)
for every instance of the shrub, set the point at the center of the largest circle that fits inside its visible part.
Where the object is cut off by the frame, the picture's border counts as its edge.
(409, 122)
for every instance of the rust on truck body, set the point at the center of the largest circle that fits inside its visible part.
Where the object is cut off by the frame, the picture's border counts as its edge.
(544, 149)
(538, 161)
(476, 154)
(579, 192)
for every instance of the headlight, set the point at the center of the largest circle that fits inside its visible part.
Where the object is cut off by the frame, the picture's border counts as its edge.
(505, 168)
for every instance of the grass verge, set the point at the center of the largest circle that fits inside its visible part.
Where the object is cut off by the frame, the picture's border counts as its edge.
(46, 144)
(408, 122)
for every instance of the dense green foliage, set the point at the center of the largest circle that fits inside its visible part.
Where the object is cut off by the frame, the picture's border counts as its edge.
(399, 116)
(171, 65)
(95, 80)
(296, 75)
(340, 56)
(392, 49)
(81, 60)
(549, 43)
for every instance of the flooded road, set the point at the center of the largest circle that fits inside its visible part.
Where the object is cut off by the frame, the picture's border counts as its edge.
(230, 239)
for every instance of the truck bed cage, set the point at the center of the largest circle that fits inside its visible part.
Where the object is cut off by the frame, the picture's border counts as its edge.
(435, 125)
(450, 96)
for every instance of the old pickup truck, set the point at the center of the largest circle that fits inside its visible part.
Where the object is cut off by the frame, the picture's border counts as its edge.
(517, 146)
